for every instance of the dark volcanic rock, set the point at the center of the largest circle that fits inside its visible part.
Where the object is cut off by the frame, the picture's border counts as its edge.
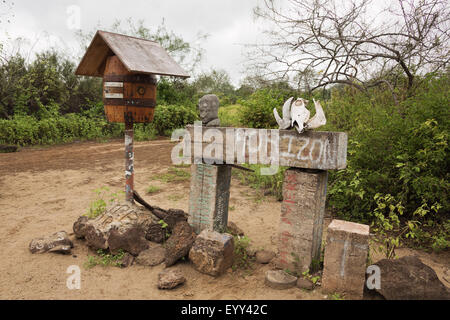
(179, 243)
(169, 279)
(79, 227)
(131, 240)
(4, 148)
(127, 260)
(156, 233)
(408, 278)
(153, 256)
(58, 242)
(212, 252)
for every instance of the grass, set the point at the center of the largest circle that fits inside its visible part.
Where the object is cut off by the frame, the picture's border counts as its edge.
(105, 259)
(271, 183)
(104, 197)
(241, 259)
(229, 116)
(153, 189)
(335, 296)
(173, 174)
(175, 197)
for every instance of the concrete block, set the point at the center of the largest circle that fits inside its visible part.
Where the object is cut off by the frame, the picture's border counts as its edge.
(209, 197)
(345, 259)
(301, 221)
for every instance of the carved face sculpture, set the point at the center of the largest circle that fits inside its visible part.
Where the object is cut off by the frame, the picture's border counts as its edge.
(209, 108)
(299, 114)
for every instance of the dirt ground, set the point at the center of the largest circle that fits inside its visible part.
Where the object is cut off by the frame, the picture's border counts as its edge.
(44, 190)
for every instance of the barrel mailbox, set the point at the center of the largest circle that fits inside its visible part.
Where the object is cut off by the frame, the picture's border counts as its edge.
(128, 66)
(128, 97)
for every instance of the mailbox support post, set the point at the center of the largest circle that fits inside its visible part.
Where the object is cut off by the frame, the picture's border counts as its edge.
(129, 161)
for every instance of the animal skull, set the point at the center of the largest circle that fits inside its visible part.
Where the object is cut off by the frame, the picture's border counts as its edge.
(295, 115)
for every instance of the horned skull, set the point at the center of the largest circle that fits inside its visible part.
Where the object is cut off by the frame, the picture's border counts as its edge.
(295, 115)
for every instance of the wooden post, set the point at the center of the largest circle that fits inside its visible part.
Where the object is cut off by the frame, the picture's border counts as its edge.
(129, 161)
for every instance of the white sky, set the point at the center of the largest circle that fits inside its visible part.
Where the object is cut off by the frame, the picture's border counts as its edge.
(229, 24)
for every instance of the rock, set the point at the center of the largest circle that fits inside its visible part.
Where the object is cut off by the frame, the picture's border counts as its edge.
(408, 278)
(156, 233)
(170, 278)
(208, 106)
(58, 242)
(131, 240)
(264, 256)
(280, 280)
(234, 229)
(446, 276)
(153, 256)
(179, 243)
(127, 260)
(303, 283)
(171, 216)
(4, 148)
(119, 217)
(79, 227)
(212, 252)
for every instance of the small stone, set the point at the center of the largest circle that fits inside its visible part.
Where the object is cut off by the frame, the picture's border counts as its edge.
(58, 242)
(79, 227)
(153, 256)
(280, 280)
(264, 256)
(179, 243)
(234, 229)
(127, 260)
(170, 278)
(303, 283)
(4, 148)
(212, 252)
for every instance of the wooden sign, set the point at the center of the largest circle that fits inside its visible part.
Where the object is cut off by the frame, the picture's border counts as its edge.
(309, 150)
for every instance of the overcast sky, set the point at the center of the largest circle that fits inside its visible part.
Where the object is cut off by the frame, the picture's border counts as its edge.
(229, 24)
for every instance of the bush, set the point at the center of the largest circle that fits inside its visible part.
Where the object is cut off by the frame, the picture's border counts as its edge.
(171, 117)
(27, 130)
(257, 110)
(399, 152)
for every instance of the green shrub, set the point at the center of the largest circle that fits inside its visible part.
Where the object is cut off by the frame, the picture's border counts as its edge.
(257, 110)
(171, 117)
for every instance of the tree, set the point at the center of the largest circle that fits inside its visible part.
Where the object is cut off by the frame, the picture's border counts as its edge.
(352, 42)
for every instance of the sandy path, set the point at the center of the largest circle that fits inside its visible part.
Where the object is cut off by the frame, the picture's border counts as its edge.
(45, 190)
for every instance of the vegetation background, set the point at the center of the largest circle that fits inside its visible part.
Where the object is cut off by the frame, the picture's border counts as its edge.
(397, 179)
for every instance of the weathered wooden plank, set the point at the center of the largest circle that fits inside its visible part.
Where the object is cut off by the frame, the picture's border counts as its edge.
(309, 150)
